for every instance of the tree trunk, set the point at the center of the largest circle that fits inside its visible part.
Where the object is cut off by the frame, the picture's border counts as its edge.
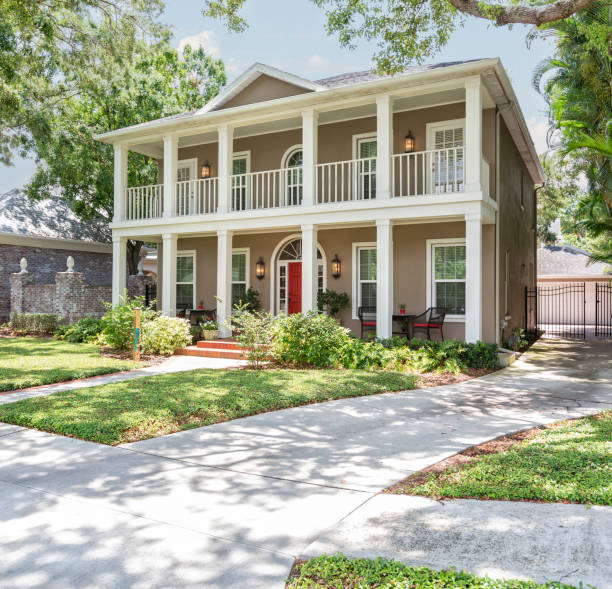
(133, 256)
(516, 13)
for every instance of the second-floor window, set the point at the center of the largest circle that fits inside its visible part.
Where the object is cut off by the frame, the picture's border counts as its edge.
(240, 169)
(446, 142)
(366, 177)
(294, 174)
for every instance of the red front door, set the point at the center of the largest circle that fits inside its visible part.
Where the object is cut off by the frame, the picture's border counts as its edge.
(295, 287)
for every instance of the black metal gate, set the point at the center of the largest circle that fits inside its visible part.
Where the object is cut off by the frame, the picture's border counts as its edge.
(150, 294)
(558, 310)
(603, 309)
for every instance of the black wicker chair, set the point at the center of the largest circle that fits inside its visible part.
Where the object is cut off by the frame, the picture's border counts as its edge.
(431, 319)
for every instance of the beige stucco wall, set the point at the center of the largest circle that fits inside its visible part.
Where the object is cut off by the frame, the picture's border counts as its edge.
(262, 89)
(516, 229)
(410, 274)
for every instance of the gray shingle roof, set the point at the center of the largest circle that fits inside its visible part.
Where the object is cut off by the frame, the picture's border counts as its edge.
(46, 218)
(567, 260)
(368, 75)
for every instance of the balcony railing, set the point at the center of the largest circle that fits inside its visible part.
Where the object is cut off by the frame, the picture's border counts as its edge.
(346, 181)
(420, 173)
(144, 202)
(196, 197)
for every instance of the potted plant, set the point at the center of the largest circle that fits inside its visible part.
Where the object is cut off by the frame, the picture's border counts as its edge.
(210, 329)
(200, 305)
(402, 309)
(333, 302)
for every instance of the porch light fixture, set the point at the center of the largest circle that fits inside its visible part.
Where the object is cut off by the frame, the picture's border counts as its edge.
(260, 268)
(409, 143)
(336, 267)
(206, 170)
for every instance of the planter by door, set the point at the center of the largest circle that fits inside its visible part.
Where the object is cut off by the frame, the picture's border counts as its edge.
(295, 287)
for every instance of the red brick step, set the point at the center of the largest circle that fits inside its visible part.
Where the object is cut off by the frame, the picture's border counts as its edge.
(219, 344)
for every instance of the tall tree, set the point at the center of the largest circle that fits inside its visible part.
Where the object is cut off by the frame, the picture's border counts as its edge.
(577, 83)
(155, 82)
(411, 30)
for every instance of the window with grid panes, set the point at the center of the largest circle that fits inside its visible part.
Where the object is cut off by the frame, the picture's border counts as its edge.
(185, 283)
(239, 183)
(367, 168)
(239, 277)
(367, 277)
(449, 278)
(448, 159)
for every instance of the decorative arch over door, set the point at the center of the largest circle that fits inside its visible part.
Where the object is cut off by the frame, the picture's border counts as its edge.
(285, 280)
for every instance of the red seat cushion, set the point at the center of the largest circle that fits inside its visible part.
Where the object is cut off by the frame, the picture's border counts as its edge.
(430, 325)
(368, 323)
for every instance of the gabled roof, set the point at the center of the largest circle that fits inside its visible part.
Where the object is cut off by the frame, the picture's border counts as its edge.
(50, 218)
(249, 76)
(570, 261)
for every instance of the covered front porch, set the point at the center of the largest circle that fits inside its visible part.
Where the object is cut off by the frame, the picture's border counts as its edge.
(381, 264)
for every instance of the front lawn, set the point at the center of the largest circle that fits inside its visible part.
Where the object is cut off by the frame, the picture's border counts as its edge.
(152, 406)
(28, 361)
(570, 461)
(327, 572)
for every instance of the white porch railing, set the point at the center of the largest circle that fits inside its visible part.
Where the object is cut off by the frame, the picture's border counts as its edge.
(196, 197)
(144, 202)
(435, 171)
(346, 181)
(266, 190)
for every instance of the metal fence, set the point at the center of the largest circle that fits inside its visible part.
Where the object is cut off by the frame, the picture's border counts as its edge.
(603, 309)
(559, 310)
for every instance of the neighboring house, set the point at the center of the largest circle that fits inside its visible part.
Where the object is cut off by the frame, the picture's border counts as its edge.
(561, 265)
(416, 189)
(45, 233)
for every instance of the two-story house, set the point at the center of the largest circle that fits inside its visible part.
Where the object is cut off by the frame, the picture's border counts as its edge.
(415, 189)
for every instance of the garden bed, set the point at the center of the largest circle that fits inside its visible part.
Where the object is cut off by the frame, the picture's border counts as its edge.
(566, 462)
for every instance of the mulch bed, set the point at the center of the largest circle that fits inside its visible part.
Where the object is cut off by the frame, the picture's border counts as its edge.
(434, 379)
(462, 459)
(149, 359)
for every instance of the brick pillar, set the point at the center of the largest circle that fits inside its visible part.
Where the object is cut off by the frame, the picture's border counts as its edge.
(70, 303)
(19, 281)
(137, 285)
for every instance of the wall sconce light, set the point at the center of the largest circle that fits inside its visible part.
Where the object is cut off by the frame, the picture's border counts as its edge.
(409, 143)
(336, 267)
(260, 269)
(206, 170)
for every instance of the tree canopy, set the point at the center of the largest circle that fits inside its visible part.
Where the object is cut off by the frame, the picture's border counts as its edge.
(406, 31)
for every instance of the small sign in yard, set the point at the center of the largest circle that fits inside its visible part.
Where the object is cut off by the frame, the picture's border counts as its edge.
(136, 334)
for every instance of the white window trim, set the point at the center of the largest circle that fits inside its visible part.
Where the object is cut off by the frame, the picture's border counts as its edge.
(356, 246)
(284, 160)
(185, 254)
(188, 163)
(289, 152)
(238, 155)
(357, 139)
(247, 251)
(430, 275)
(430, 129)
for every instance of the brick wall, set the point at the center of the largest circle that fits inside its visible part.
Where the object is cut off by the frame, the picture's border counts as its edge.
(44, 263)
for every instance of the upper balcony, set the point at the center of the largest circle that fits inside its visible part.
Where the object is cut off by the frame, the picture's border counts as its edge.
(291, 146)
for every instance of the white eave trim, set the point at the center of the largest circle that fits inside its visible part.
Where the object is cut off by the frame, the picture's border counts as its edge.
(7, 238)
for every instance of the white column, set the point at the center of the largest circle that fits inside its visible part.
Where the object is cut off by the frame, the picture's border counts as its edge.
(473, 278)
(310, 140)
(384, 145)
(473, 133)
(384, 277)
(310, 271)
(170, 166)
(226, 156)
(168, 278)
(120, 176)
(224, 281)
(119, 267)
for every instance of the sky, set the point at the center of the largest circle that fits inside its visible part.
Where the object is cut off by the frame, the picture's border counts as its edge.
(290, 35)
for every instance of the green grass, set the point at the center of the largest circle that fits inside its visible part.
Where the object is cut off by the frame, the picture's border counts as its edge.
(341, 572)
(28, 361)
(157, 405)
(570, 462)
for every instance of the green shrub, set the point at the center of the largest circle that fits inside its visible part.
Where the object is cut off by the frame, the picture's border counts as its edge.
(164, 335)
(356, 353)
(84, 330)
(333, 302)
(254, 332)
(33, 323)
(118, 322)
(308, 339)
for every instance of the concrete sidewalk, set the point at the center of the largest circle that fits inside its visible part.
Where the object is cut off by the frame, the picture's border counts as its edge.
(172, 364)
(232, 504)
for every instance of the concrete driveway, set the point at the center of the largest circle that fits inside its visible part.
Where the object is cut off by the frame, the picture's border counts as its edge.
(230, 505)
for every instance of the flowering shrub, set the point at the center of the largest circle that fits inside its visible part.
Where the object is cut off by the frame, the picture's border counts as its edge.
(118, 322)
(163, 335)
(254, 332)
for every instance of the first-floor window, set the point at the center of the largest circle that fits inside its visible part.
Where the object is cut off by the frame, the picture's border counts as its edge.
(185, 280)
(239, 275)
(366, 277)
(448, 277)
